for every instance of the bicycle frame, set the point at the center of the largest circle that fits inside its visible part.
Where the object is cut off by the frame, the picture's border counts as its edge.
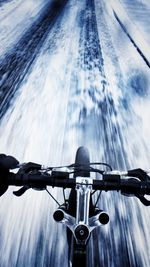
(82, 225)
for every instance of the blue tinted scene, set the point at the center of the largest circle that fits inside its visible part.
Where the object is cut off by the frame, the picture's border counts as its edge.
(74, 73)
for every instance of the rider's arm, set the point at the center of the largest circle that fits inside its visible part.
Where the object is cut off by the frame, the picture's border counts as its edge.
(6, 163)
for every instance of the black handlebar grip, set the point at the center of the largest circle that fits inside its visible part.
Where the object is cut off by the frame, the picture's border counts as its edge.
(39, 180)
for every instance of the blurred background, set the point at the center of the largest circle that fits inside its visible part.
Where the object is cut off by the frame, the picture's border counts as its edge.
(74, 73)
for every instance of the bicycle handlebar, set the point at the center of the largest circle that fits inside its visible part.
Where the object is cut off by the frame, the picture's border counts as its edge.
(110, 182)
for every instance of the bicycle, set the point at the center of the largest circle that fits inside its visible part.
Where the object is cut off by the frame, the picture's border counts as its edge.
(78, 212)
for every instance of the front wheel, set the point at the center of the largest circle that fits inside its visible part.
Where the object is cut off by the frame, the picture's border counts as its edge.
(77, 253)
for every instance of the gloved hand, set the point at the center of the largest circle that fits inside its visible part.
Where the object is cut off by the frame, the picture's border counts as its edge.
(6, 163)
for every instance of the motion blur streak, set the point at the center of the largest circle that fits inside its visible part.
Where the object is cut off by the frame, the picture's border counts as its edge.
(70, 76)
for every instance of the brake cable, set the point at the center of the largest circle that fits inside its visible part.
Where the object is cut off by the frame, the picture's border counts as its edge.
(52, 197)
(88, 164)
(74, 165)
(97, 199)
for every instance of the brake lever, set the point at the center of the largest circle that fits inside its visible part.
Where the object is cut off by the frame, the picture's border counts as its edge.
(28, 167)
(21, 191)
(138, 173)
(143, 199)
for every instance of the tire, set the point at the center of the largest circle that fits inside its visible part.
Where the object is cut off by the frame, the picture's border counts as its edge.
(82, 158)
(77, 253)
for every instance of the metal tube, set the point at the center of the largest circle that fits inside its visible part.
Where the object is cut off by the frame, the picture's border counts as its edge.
(83, 201)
